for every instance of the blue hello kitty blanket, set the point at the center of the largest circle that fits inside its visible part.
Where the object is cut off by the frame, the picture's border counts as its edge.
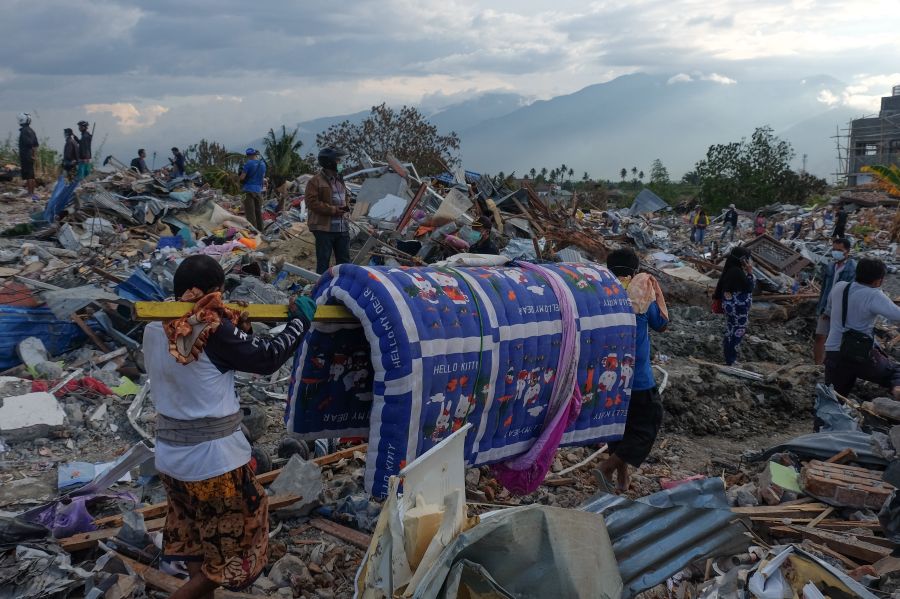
(436, 347)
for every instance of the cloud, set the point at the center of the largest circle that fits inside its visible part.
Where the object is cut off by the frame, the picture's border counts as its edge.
(864, 94)
(697, 76)
(128, 116)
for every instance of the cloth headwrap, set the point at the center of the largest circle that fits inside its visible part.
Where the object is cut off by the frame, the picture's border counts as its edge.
(643, 289)
(188, 335)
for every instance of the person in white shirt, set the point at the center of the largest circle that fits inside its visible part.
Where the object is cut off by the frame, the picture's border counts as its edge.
(865, 302)
(217, 520)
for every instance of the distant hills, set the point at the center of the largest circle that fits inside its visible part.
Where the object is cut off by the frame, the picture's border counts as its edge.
(633, 119)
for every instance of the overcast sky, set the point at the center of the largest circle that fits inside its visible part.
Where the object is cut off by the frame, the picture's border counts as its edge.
(163, 73)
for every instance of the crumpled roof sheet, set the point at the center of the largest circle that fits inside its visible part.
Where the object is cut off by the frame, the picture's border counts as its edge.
(657, 536)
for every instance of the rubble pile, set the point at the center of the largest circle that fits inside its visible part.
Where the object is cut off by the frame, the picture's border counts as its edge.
(781, 483)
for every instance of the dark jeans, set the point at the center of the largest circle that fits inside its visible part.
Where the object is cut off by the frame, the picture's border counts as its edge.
(253, 209)
(880, 370)
(645, 416)
(326, 243)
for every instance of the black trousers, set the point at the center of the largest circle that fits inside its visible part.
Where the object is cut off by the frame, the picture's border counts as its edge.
(880, 370)
(645, 416)
(328, 243)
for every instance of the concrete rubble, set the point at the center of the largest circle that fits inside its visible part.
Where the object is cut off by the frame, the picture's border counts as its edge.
(73, 390)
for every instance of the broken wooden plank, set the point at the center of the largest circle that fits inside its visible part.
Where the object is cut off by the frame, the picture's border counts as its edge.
(158, 509)
(168, 583)
(90, 333)
(821, 517)
(89, 539)
(842, 457)
(808, 510)
(845, 544)
(849, 564)
(354, 537)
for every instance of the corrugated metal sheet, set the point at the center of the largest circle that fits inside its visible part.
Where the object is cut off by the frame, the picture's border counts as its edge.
(657, 536)
(647, 201)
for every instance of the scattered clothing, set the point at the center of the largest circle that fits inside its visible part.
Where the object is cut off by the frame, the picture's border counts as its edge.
(223, 522)
(798, 227)
(759, 224)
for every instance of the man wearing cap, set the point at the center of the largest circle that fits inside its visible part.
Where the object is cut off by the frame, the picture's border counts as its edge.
(252, 176)
(329, 212)
(730, 221)
(28, 145)
(70, 153)
(84, 150)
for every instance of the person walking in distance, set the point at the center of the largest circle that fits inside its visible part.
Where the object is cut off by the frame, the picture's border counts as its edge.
(70, 154)
(840, 223)
(735, 291)
(84, 150)
(329, 211)
(252, 176)
(28, 145)
(731, 223)
(842, 268)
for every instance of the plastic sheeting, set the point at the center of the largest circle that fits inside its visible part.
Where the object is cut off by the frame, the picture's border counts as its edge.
(139, 287)
(821, 446)
(657, 536)
(16, 324)
(528, 552)
(832, 415)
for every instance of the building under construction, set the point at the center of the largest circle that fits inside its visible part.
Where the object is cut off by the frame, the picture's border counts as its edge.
(875, 139)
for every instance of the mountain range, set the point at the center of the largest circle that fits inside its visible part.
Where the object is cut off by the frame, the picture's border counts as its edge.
(633, 119)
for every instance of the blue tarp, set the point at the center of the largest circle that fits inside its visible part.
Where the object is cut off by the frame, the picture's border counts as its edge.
(59, 336)
(62, 195)
(140, 288)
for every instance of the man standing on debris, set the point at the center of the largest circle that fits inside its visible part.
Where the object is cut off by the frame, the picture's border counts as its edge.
(70, 153)
(178, 163)
(140, 163)
(700, 222)
(252, 176)
(645, 411)
(731, 221)
(218, 517)
(84, 150)
(735, 291)
(28, 145)
(851, 351)
(329, 212)
(840, 222)
(842, 268)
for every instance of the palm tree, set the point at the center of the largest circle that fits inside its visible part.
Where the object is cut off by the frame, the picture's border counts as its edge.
(585, 177)
(886, 177)
(283, 157)
(641, 175)
(533, 173)
(634, 171)
(544, 173)
(623, 173)
(571, 173)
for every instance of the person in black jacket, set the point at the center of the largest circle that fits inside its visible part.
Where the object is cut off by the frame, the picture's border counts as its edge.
(840, 223)
(731, 221)
(28, 145)
(70, 153)
(84, 150)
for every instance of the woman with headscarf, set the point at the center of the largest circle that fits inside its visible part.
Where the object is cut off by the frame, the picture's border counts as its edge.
(735, 291)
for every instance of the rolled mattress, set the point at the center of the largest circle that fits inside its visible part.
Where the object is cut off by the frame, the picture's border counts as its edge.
(436, 347)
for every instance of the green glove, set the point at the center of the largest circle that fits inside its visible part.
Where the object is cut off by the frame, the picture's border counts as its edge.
(305, 305)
